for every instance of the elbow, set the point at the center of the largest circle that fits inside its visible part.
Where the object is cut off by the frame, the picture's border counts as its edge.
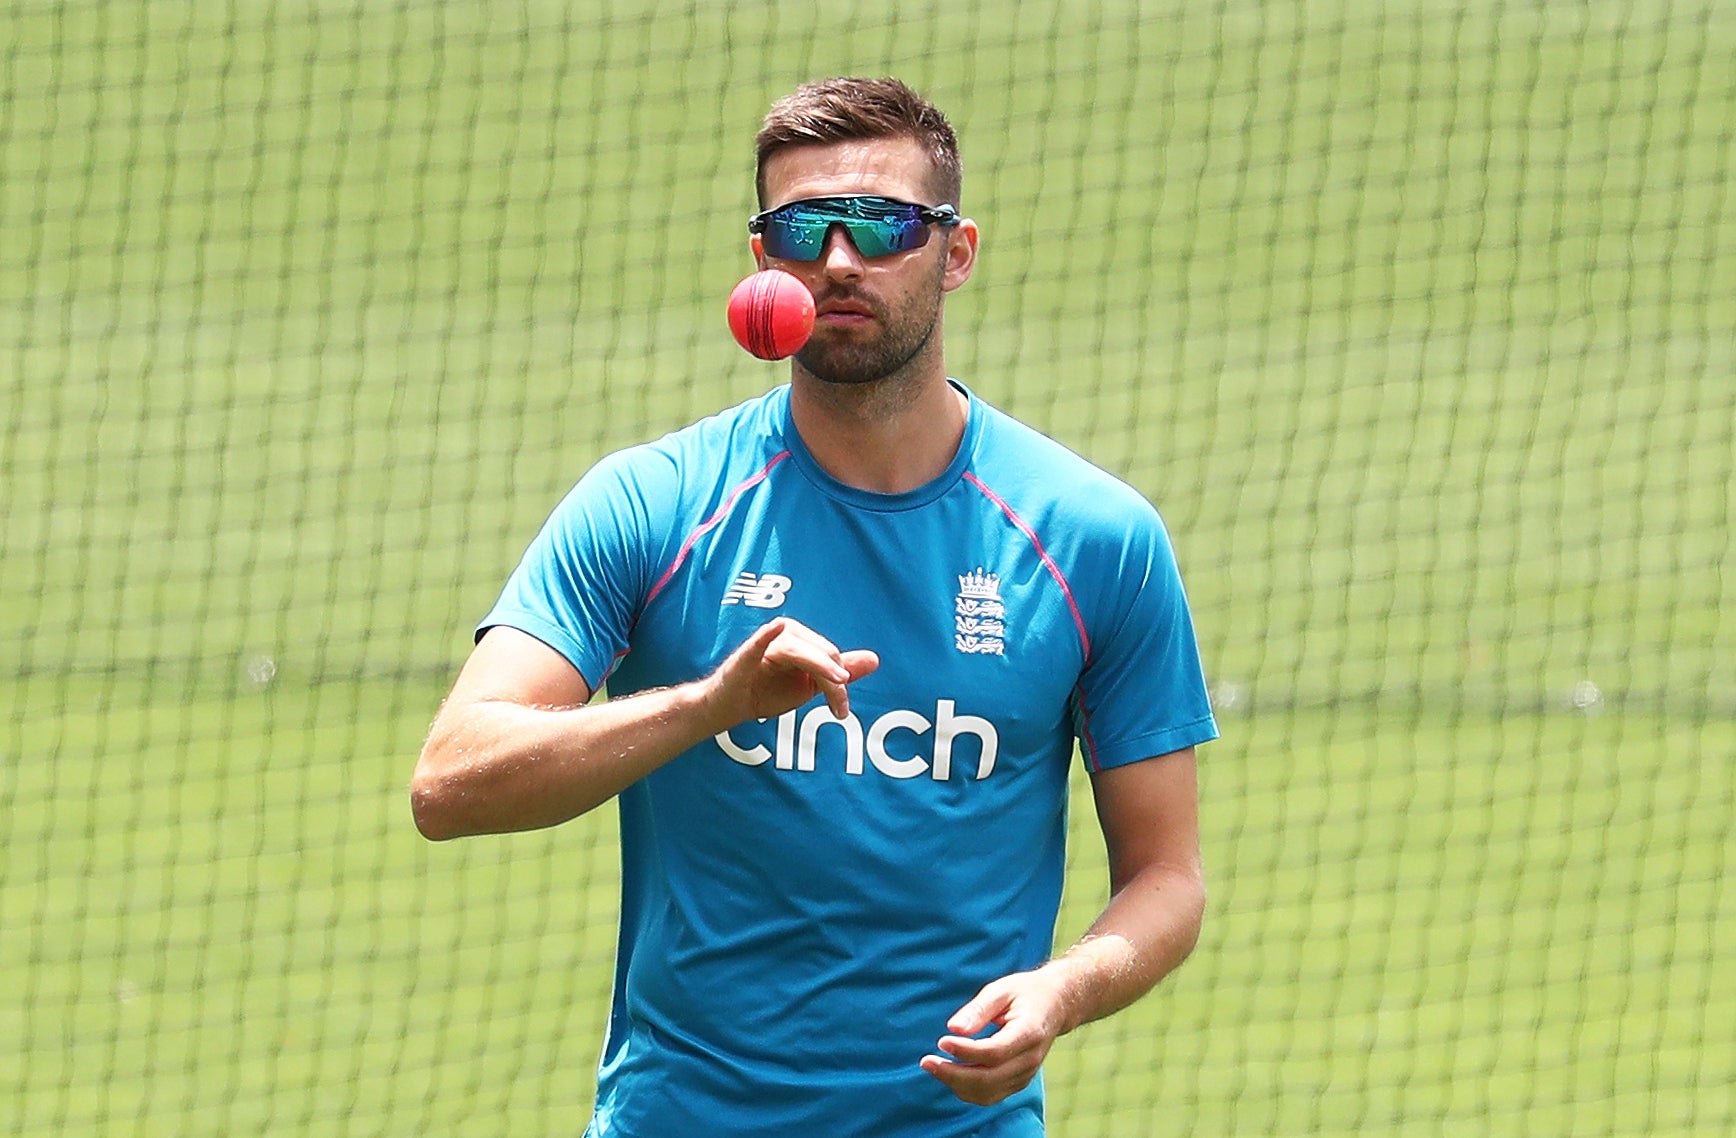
(1190, 887)
(435, 800)
(1197, 913)
(1184, 887)
(433, 818)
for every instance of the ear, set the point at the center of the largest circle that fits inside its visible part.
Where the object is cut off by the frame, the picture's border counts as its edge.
(961, 254)
(758, 246)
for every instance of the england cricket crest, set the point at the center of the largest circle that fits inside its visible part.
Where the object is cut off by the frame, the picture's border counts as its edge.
(979, 615)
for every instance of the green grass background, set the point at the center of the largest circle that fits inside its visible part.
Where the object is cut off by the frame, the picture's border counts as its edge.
(1418, 321)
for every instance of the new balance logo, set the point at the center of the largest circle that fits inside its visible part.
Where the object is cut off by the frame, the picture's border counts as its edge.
(762, 591)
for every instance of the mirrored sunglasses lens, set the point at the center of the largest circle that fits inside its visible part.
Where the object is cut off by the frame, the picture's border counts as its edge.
(876, 226)
(883, 236)
(795, 237)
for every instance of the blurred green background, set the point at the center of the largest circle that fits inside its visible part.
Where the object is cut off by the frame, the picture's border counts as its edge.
(1417, 321)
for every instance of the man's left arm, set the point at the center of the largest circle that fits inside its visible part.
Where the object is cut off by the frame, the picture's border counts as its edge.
(1149, 812)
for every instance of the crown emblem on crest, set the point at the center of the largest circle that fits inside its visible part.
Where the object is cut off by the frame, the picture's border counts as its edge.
(980, 585)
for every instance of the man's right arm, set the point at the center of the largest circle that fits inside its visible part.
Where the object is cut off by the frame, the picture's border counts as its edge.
(518, 746)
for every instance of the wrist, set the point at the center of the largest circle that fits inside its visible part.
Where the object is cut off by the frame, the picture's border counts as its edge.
(1083, 975)
(1069, 979)
(707, 700)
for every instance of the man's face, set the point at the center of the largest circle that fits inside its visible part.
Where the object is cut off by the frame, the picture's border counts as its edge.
(876, 316)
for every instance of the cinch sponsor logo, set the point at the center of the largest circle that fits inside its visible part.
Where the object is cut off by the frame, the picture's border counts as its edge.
(797, 739)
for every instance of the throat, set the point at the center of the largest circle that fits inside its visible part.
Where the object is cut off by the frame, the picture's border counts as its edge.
(885, 439)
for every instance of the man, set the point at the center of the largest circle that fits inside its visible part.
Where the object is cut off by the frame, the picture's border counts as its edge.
(851, 632)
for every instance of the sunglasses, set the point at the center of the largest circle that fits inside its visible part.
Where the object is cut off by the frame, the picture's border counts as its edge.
(877, 226)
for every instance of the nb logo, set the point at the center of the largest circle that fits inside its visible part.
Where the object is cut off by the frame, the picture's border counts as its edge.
(765, 591)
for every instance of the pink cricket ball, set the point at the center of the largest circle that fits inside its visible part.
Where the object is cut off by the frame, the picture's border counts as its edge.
(771, 314)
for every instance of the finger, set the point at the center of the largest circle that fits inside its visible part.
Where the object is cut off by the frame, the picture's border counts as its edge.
(755, 645)
(798, 655)
(859, 662)
(799, 631)
(983, 1009)
(823, 673)
(982, 1086)
(956, 1074)
(1003, 1046)
(801, 647)
(855, 664)
(964, 1081)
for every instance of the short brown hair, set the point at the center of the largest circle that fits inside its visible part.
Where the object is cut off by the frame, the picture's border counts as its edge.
(850, 109)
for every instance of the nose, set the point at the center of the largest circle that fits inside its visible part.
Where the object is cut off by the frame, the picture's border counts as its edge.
(839, 256)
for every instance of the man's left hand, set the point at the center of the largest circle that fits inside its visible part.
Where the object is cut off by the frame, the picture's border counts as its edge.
(1030, 1009)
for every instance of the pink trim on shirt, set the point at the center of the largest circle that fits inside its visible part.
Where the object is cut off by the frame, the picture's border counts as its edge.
(1087, 741)
(709, 523)
(1043, 554)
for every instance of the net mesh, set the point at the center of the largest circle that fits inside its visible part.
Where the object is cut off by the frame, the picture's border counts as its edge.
(1417, 322)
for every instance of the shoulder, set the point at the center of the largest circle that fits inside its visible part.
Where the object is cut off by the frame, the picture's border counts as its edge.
(691, 466)
(626, 517)
(1039, 478)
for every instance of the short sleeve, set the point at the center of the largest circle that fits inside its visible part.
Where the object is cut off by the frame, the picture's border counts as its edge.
(1143, 691)
(582, 581)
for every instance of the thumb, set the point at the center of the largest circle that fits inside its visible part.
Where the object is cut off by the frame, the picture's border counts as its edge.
(986, 1007)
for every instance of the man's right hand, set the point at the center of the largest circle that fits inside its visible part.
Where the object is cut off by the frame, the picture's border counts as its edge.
(782, 666)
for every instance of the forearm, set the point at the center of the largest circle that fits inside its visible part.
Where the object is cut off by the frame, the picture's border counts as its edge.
(495, 766)
(1148, 928)
(504, 754)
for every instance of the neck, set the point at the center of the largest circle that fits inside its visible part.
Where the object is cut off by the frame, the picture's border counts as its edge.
(887, 436)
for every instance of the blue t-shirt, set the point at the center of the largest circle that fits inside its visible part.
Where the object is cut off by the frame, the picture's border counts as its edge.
(805, 901)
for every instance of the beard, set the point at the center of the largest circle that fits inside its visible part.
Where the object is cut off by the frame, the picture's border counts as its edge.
(849, 360)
